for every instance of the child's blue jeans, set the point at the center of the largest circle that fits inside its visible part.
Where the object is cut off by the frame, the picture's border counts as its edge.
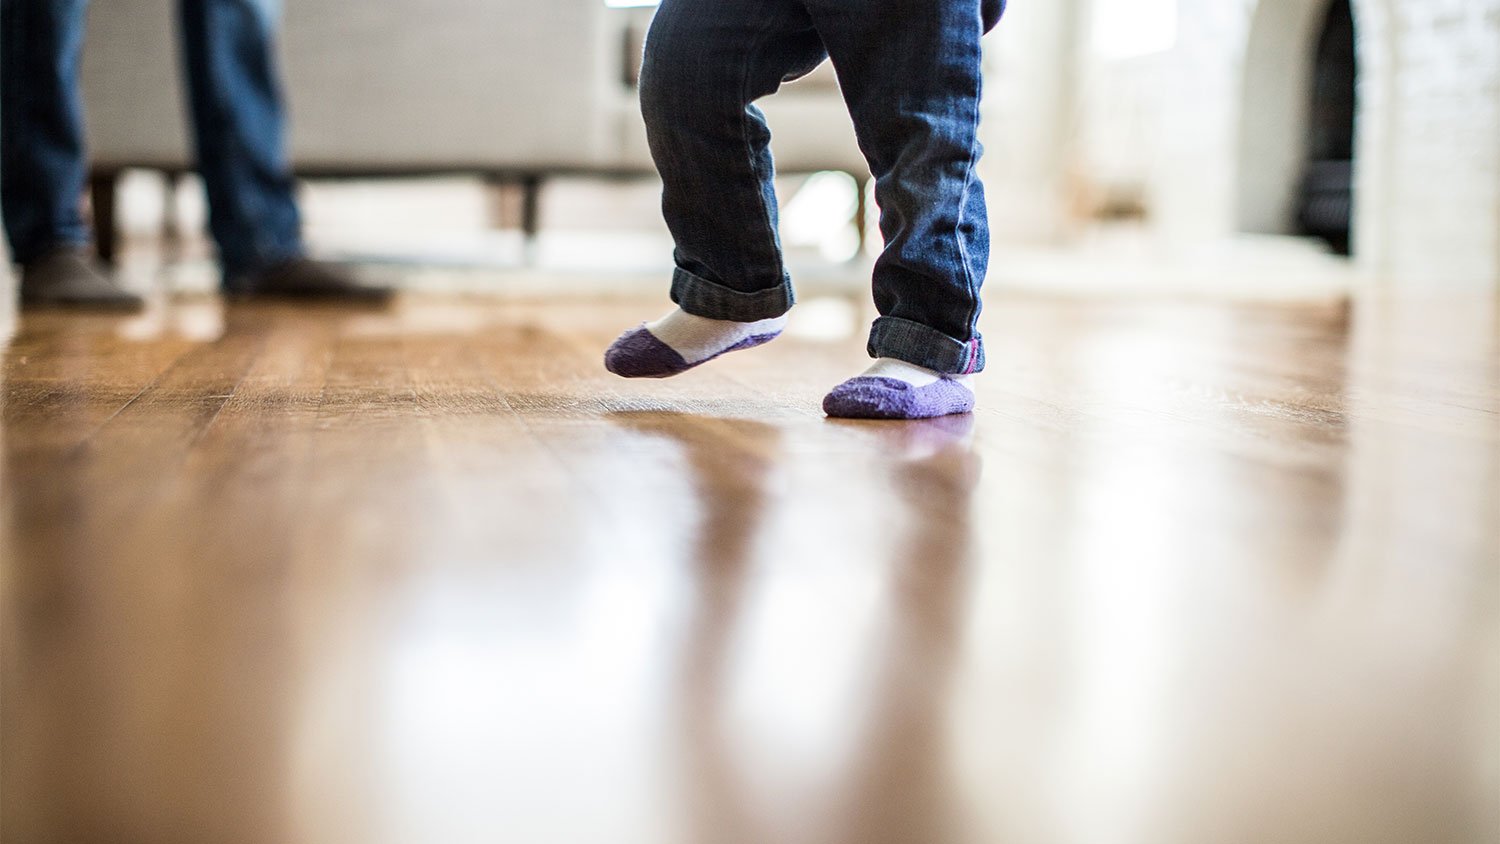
(910, 74)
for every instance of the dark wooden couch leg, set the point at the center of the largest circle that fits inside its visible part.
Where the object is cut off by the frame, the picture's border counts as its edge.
(531, 207)
(103, 193)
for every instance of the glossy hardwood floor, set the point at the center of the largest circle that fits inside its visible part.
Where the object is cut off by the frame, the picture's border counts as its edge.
(1195, 572)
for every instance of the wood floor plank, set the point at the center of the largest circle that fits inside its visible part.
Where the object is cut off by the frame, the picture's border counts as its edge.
(1193, 571)
(58, 401)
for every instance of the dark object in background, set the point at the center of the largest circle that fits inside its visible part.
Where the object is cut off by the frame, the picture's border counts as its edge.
(1325, 202)
(67, 278)
(308, 280)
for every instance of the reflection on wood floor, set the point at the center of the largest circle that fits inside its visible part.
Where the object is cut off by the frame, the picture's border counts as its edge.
(1193, 573)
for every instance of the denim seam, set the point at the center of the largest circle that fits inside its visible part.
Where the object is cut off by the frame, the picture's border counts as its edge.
(755, 45)
(963, 208)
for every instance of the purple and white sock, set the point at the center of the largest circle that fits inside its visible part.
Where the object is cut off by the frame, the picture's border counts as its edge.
(680, 341)
(895, 389)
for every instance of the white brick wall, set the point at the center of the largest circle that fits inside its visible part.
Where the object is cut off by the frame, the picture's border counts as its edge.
(1442, 183)
(1428, 188)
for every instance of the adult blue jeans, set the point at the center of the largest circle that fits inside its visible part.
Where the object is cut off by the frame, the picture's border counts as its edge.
(238, 122)
(910, 75)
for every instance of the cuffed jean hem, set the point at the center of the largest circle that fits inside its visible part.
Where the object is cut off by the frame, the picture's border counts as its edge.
(915, 343)
(701, 297)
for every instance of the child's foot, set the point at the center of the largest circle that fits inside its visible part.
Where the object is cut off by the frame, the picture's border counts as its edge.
(680, 341)
(895, 389)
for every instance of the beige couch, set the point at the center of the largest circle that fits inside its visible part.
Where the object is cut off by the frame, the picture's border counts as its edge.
(515, 90)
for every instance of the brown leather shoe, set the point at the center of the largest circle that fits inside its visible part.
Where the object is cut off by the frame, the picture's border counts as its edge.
(67, 278)
(308, 280)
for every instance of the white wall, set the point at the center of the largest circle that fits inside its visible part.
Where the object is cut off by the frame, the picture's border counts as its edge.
(1434, 209)
(1230, 109)
(1030, 118)
(1428, 146)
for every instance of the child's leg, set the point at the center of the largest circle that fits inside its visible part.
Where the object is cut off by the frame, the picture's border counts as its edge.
(910, 71)
(706, 62)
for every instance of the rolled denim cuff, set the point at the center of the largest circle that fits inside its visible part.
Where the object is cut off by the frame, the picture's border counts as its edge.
(915, 343)
(701, 297)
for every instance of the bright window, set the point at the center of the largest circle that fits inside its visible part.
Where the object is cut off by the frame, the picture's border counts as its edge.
(1129, 28)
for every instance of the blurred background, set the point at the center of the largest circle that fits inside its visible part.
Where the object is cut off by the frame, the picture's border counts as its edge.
(1198, 571)
(1239, 147)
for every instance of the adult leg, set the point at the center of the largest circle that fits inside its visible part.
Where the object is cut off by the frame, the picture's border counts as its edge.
(239, 127)
(44, 164)
(910, 72)
(239, 124)
(706, 63)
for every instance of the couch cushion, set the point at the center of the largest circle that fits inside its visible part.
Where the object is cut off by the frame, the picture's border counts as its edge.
(455, 82)
(383, 85)
(402, 85)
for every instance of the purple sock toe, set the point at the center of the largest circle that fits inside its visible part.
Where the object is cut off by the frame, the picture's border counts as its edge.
(870, 397)
(638, 354)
